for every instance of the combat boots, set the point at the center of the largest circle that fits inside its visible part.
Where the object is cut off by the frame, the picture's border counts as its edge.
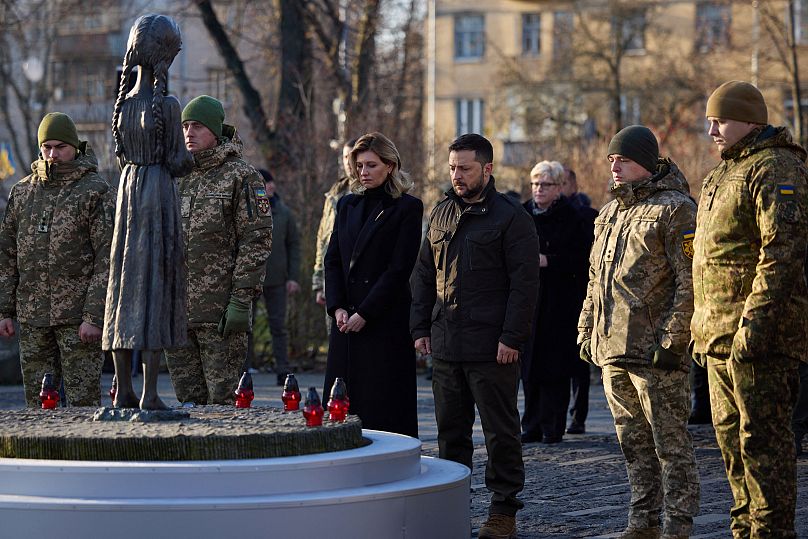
(640, 533)
(498, 527)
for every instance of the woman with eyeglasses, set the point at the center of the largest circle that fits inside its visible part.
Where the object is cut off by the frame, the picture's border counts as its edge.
(565, 237)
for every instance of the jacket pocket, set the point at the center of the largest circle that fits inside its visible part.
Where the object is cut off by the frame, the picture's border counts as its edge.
(492, 315)
(484, 251)
(185, 207)
(210, 212)
(438, 238)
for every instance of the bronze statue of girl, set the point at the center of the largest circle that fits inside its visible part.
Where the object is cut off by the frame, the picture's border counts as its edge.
(146, 294)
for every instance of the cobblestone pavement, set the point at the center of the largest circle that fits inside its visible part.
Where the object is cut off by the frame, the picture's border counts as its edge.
(577, 488)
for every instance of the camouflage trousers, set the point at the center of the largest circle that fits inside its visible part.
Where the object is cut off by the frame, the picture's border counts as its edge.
(59, 350)
(752, 404)
(650, 409)
(207, 370)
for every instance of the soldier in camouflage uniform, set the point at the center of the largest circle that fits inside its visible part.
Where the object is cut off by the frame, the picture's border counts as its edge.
(336, 192)
(54, 263)
(227, 222)
(751, 304)
(635, 324)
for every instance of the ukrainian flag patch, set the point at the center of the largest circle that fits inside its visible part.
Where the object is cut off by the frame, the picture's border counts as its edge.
(785, 190)
(689, 234)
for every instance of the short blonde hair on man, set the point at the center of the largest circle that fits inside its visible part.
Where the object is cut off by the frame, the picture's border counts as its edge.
(398, 182)
(554, 169)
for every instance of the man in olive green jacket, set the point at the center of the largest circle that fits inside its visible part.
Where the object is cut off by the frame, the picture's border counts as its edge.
(336, 192)
(227, 222)
(750, 322)
(635, 325)
(54, 264)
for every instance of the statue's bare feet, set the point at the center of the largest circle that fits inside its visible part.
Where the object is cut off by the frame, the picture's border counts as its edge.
(124, 400)
(152, 402)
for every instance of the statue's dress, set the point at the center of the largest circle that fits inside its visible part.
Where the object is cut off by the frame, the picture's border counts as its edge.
(146, 296)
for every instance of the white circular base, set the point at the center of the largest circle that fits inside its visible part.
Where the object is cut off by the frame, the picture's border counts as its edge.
(383, 490)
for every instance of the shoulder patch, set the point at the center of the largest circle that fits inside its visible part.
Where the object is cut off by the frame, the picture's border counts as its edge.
(785, 190)
(687, 243)
(262, 201)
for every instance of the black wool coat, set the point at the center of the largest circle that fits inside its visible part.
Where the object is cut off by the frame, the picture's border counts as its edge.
(367, 270)
(565, 238)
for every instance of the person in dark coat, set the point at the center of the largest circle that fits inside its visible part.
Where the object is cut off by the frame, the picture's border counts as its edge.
(580, 371)
(565, 237)
(368, 263)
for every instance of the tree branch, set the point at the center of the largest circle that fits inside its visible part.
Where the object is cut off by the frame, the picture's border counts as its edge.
(252, 106)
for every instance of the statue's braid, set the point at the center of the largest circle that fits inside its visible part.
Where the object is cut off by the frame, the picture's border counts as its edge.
(160, 75)
(126, 73)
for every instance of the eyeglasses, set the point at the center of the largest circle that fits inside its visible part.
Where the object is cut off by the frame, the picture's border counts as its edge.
(543, 185)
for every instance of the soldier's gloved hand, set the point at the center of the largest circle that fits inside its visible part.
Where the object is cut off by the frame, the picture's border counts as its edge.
(699, 359)
(747, 343)
(667, 359)
(585, 351)
(236, 318)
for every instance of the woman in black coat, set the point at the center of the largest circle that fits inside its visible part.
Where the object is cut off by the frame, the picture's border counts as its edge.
(565, 237)
(371, 254)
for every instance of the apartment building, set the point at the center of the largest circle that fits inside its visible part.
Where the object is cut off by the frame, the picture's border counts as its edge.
(533, 74)
(77, 64)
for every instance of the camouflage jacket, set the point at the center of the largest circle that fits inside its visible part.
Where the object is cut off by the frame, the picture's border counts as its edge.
(227, 223)
(640, 294)
(337, 191)
(750, 246)
(54, 244)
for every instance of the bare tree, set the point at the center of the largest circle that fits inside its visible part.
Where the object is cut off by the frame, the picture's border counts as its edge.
(348, 55)
(23, 92)
(252, 104)
(606, 37)
(782, 33)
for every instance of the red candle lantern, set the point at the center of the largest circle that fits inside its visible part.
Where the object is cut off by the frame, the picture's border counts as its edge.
(113, 389)
(291, 393)
(338, 403)
(48, 395)
(313, 410)
(244, 392)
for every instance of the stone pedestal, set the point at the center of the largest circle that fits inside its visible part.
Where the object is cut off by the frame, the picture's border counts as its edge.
(383, 489)
(221, 472)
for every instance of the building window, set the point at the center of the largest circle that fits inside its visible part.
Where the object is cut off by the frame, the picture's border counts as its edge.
(563, 26)
(630, 109)
(629, 31)
(469, 36)
(713, 21)
(800, 21)
(85, 80)
(100, 21)
(218, 83)
(531, 34)
(788, 109)
(469, 116)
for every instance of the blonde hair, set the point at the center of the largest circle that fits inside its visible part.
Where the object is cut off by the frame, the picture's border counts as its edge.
(398, 182)
(554, 169)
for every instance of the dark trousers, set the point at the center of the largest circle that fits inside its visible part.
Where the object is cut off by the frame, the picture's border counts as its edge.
(799, 419)
(580, 394)
(700, 389)
(546, 408)
(275, 299)
(458, 386)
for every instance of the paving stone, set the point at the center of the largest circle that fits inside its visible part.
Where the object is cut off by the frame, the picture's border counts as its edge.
(577, 488)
